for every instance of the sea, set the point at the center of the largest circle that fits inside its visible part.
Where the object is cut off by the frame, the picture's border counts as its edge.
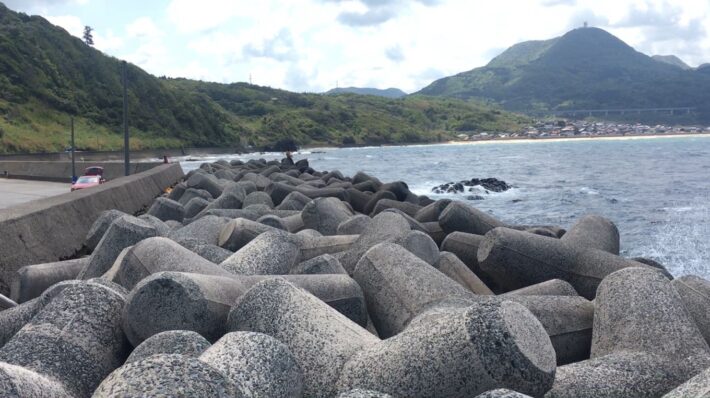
(655, 189)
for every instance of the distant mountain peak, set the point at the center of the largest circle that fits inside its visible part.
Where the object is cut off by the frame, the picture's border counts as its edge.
(672, 60)
(388, 93)
(586, 68)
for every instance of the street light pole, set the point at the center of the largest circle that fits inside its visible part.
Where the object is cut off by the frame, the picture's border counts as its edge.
(73, 168)
(126, 156)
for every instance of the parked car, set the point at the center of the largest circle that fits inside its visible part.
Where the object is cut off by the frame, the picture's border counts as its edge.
(87, 182)
(94, 171)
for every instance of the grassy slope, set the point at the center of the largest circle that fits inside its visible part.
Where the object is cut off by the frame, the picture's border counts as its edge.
(46, 76)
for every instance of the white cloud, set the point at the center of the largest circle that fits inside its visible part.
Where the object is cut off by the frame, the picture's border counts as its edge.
(70, 23)
(142, 28)
(310, 44)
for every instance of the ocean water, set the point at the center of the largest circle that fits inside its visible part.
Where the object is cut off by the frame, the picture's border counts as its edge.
(656, 190)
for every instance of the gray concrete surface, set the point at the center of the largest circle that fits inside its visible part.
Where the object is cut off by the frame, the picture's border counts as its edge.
(15, 192)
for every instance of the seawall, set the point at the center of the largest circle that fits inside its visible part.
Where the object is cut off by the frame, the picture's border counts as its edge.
(54, 228)
(60, 171)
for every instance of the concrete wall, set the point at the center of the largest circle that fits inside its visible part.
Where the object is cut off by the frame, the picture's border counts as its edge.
(60, 171)
(156, 154)
(54, 228)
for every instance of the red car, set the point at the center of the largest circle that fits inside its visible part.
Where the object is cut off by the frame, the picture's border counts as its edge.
(87, 182)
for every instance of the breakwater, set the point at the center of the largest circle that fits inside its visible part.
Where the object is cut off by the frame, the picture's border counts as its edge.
(60, 171)
(274, 279)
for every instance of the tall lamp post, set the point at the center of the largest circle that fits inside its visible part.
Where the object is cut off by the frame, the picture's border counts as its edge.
(73, 167)
(126, 155)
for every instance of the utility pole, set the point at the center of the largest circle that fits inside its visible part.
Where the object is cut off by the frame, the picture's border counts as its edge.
(73, 167)
(250, 79)
(126, 150)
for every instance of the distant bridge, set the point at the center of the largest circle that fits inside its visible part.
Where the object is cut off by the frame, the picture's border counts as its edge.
(637, 111)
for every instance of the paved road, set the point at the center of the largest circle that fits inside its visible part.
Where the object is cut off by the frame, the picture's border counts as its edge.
(15, 192)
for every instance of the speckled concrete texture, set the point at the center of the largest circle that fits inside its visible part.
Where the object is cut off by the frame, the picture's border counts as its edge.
(694, 291)
(167, 375)
(398, 285)
(320, 338)
(594, 232)
(637, 309)
(183, 342)
(467, 352)
(75, 339)
(516, 259)
(258, 364)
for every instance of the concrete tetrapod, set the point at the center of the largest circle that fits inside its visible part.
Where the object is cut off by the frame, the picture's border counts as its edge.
(206, 182)
(697, 387)
(18, 382)
(325, 214)
(166, 209)
(637, 309)
(183, 342)
(200, 303)
(398, 286)
(179, 301)
(320, 338)
(432, 211)
(421, 245)
(271, 253)
(6, 303)
(385, 226)
(15, 318)
(464, 353)
(167, 375)
(458, 216)
(154, 255)
(123, 232)
(360, 393)
(99, 227)
(353, 225)
(75, 339)
(624, 374)
(161, 228)
(465, 247)
(32, 280)
(323, 264)
(594, 232)
(553, 287)
(566, 319)
(258, 364)
(516, 259)
(236, 233)
(450, 265)
(312, 247)
(695, 293)
(206, 229)
(502, 393)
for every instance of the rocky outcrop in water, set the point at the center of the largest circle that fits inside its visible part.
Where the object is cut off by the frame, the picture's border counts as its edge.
(488, 184)
(265, 279)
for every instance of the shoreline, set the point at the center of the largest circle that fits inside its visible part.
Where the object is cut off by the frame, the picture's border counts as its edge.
(512, 140)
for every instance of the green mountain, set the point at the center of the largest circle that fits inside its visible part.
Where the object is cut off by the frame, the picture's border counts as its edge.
(586, 68)
(47, 76)
(672, 60)
(387, 93)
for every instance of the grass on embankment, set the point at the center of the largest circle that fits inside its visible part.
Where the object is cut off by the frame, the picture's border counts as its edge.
(32, 127)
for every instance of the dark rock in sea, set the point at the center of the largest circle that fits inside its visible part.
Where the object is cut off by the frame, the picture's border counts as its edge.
(489, 184)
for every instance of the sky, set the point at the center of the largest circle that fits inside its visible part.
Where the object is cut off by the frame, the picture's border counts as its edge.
(314, 45)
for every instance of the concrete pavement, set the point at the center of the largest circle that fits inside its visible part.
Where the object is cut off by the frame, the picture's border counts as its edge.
(14, 192)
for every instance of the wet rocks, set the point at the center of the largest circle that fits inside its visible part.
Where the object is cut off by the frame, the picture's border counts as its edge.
(488, 184)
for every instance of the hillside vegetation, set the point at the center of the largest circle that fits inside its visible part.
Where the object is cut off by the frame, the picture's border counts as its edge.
(587, 68)
(47, 76)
